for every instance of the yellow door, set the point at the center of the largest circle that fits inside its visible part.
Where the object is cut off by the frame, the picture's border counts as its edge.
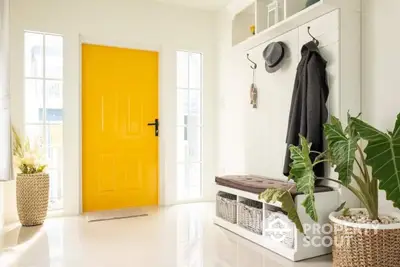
(120, 151)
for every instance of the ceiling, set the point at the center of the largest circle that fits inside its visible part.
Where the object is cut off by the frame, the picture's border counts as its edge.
(201, 4)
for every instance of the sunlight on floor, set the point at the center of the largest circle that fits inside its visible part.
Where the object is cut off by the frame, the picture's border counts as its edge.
(176, 236)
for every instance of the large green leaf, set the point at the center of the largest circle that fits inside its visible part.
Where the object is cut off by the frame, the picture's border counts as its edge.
(342, 148)
(302, 174)
(383, 155)
(288, 205)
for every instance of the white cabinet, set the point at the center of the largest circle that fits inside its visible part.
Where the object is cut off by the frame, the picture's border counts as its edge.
(269, 13)
(294, 246)
(336, 24)
(264, 14)
(243, 23)
(272, 18)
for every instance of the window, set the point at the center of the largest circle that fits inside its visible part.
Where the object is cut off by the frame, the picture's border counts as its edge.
(189, 125)
(44, 103)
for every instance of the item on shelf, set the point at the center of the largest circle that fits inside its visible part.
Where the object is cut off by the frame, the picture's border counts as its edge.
(226, 207)
(272, 13)
(253, 29)
(250, 215)
(311, 2)
(32, 182)
(273, 55)
(279, 228)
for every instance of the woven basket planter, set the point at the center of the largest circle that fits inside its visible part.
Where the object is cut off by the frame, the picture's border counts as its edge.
(32, 198)
(365, 245)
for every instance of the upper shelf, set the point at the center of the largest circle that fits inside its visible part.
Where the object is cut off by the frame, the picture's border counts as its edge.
(272, 18)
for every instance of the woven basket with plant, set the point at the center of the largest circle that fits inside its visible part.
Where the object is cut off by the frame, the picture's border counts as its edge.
(32, 181)
(362, 237)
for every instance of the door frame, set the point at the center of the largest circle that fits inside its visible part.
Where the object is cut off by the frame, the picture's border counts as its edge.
(161, 104)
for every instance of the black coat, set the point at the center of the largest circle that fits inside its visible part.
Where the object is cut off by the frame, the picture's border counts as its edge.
(308, 111)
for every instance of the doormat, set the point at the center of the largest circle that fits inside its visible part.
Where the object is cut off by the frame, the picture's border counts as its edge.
(109, 215)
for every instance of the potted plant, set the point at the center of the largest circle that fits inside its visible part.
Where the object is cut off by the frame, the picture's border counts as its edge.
(32, 182)
(362, 237)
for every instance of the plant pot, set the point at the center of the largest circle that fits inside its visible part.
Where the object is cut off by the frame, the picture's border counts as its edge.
(32, 198)
(365, 245)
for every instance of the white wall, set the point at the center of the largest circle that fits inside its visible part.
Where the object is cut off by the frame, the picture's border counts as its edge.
(133, 23)
(381, 57)
(229, 133)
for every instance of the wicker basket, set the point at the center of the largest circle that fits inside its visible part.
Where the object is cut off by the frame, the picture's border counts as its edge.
(32, 198)
(226, 207)
(358, 247)
(251, 216)
(279, 228)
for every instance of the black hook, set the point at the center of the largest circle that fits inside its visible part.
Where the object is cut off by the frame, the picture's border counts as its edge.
(314, 39)
(255, 65)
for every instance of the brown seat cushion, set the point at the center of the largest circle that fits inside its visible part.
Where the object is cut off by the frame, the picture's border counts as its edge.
(258, 184)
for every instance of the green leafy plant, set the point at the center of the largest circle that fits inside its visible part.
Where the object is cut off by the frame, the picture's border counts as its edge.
(26, 156)
(362, 175)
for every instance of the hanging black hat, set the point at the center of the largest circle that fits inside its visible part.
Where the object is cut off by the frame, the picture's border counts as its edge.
(273, 55)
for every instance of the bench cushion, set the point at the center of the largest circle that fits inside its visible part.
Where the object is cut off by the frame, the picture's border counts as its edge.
(258, 184)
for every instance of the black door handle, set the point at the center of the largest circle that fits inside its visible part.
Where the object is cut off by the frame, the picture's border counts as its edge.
(156, 124)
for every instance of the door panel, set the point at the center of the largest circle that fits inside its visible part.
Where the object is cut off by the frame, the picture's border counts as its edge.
(120, 152)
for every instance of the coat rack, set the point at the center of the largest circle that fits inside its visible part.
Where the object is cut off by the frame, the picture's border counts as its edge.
(314, 39)
(254, 64)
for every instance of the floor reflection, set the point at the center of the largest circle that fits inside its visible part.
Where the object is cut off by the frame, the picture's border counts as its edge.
(19, 235)
(26, 241)
(179, 236)
(190, 239)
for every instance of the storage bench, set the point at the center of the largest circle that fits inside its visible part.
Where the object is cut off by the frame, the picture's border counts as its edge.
(267, 225)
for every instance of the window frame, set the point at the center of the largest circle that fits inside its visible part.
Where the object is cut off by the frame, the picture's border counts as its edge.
(188, 163)
(44, 123)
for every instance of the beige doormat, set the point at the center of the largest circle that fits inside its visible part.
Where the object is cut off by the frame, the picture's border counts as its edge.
(108, 215)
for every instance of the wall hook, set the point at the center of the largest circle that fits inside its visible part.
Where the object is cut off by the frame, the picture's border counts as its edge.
(314, 39)
(254, 64)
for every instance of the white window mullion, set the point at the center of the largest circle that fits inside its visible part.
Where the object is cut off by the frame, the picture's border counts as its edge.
(44, 93)
(42, 79)
(42, 123)
(189, 135)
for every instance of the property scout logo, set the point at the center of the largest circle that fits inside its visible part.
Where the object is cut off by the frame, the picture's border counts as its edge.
(278, 230)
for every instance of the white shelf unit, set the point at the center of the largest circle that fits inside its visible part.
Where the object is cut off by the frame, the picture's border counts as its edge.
(292, 14)
(241, 28)
(327, 202)
(285, 9)
(257, 14)
(344, 67)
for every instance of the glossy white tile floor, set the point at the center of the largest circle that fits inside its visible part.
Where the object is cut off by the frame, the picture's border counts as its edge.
(180, 236)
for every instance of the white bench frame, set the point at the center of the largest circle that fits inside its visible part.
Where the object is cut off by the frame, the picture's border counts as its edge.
(326, 202)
